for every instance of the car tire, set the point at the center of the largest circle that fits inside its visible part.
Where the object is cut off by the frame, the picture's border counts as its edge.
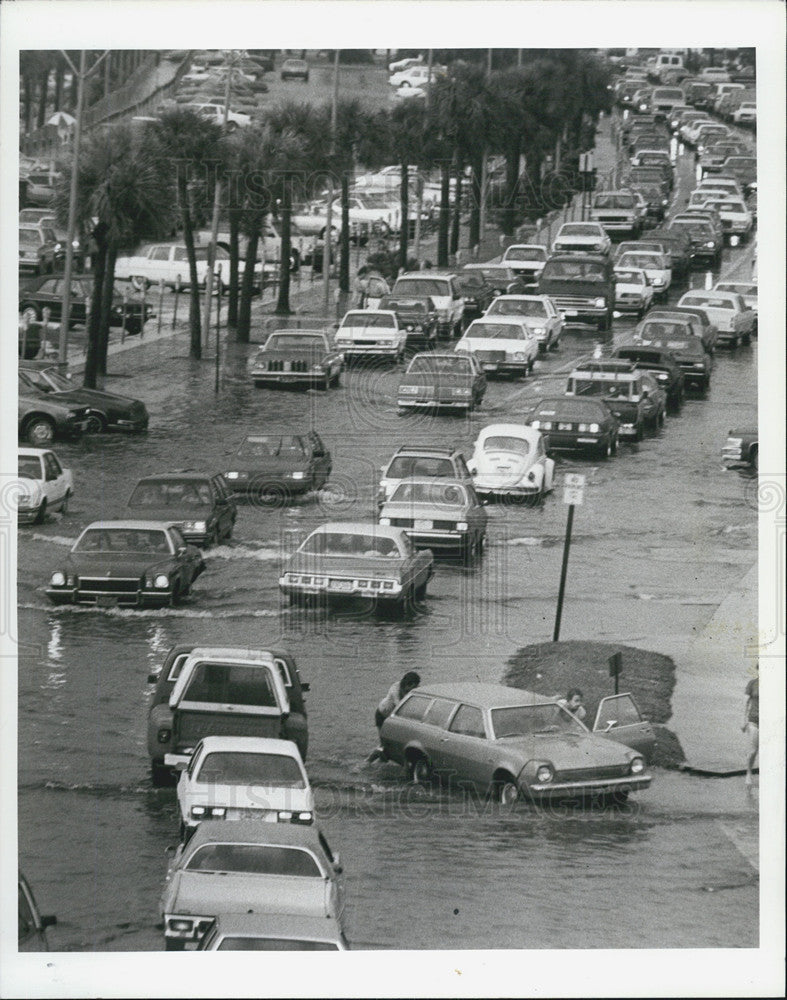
(40, 432)
(660, 420)
(420, 771)
(174, 597)
(754, 458)
(39, 518)
(639, 431)
(506, 791)
(605, 450)
(96, 423)
(295, 261)
(337, 377)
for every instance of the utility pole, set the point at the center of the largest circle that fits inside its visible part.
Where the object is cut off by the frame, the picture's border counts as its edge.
(326, 250)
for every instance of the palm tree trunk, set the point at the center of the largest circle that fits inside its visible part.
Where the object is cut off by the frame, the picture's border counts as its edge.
(106, 308)
(404, 220)
(512, 184)
(27, 99)
(445, 210)
(344, 249)
(94, 324)
(43, 87)
(283, 302)
(456, 216)
(195, 326)
(243, 328)
(232, 300)
(59, 71)
(475, 200)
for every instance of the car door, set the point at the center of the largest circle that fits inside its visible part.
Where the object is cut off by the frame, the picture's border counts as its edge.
(434, 731)
(54, 480)
(618, 718)
(468, 753)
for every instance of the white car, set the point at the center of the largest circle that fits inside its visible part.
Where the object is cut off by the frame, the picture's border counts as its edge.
(372, 333)
(633, 290)
(584, 237)
(746, 289)
(727, 311)
(414, 76)
(235, 119)
(501, 344)
(737, 221)
(244, 777)
(43, 485)
(657, 266)
(169, 263)
(273, 932)
(510, 460)
(402, 64)
(729, 185)
(745, 113)
(538, 312)
(527, 259)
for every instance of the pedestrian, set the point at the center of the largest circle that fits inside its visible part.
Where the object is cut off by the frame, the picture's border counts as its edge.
(396, 692)
(751, 724)
(573, 703)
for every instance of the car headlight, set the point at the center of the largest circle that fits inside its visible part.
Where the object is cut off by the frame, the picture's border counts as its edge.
(298, 475)
(637, 765)
(536, 424)
(709, 244)
(194, 526)
(161, 581)
(230, 475)
(665, 202)
(408, 390)
(320, 369)
(539, 330)
(385, 520)
(662, 376)
(461, 525)
(460, 392)
(518, 356)
(417, 328)
(600, 303)
(544, 774)
(58, 580)
(658, 281)
(58, 247)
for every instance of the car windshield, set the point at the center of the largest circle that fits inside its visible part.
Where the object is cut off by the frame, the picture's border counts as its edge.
(171, 493)
(274, 944)
(29, 238)
(629, 277)
(570, 270)
(526, 253)
(518, 307)
(708, 302)
(253, 859)
(507, 442)
(534, 720)
(653, 330)
(469, 282)
(29, 467)
(422, 286)
(688, 344)
(294, 342)
(50, 380)
(439, 365)
(570, 409)
(496, 331)
(501, 275)
(578, 229)
(411, 466)
(350, 544)
(123, 540)
(699, 227)
(434, 494)
(602, 387)
(641, 260)
(230, 767)
(614, 201)
(366, 319)
(271, 445)
(734, 286)
(741, 163)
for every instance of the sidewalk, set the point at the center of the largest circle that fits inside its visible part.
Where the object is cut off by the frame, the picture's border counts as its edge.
(708, 700)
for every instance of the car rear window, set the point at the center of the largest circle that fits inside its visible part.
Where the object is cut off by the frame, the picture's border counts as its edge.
(274, 944)
(506, 442)
(583, 270)
(368, 319)
(255, 860)
(434, 494)
(404, 466)
(518, 307)
(526, 253)
(171, 493)
(496, 331)
(294, 341)
(413, 707)
(422, 286)
(570, 409)
(29, 467)
(350, 544)
(271, 445)
(231, 684)
(227, 767)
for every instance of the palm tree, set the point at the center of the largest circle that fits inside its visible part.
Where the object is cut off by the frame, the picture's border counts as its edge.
(407, 130)
(351, 124)
(188, 143)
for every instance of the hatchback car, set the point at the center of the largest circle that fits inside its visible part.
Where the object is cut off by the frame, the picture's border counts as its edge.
(279, 466)
(502, 344)
(44, 485)
(273, 932)
(199, 504)
(508, 744)
(510, 460)
(419, 462)
(437, 514)
(582, 237)
(576, 424)
(42, 419)
(537, 312)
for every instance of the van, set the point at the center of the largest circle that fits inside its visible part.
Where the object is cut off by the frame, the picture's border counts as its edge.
(444, 292)
(664, 99)
(669, 68)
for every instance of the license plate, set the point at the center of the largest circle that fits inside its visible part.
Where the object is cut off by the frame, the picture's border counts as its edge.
(422, 525)
(490, 368)
(343, 585)
(106, 601)
(564, 427)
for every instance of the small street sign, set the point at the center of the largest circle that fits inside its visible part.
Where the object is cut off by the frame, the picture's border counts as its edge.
(573, 495)
(574, 479)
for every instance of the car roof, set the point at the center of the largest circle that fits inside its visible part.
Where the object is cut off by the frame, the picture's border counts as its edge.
(436, 354)
(278, 925)
(259, 656)
(251, 744)
(597, 367)
(361, 527)
(520, 298)
(188, 474)
(514, 430)
(557, 400)
(425, 450)
(496, 321)
(526, 246)
(484, 695)
(252, 831)
(431, 481)
(321, 333)
(429, 273)
(373, 312)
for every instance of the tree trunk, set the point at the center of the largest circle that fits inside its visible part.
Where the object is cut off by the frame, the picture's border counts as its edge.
(94, 324)
(232, 299)
(243, 328)
(475, 200)
(445, 210)
(512, 184)
(283, 302)
(456, 215)
(106, 309)
(404, 220)
(195, 326)
(43, 87)
(344, 249)
(27, 100)
(59, 73)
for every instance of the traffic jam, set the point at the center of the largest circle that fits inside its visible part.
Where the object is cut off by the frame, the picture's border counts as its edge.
(370, 493)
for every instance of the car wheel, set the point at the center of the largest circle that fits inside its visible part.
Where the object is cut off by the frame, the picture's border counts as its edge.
(420, 771)
(530, 366)
(754, 458)
(212, 538)
(295, 261)
(96, 423)
(605, 451)
(40, 432)
(506, 791)
(29, 314)
(64, 504)
(660, 420)
(39, 518)
(326, 381)
(614, 445)
(337, 377)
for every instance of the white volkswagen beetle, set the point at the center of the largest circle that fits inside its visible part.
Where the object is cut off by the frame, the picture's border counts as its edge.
(511, 460)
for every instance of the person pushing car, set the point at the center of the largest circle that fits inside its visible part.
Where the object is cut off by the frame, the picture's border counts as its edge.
(395, 694)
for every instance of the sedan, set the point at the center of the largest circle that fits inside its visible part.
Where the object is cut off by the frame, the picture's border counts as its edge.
(44, 485)
(105, 410)
(270, 466)
(244, 777)
(504, 344)
(527, 259)
(357, 559)
(303, 357)
(510, 460)
(199, 504)
(656, 266)
(371, 333)
(576, 424)
(727, 311)
(41, 420)
(249, 867)
(633, 290)
(450, 381)
(748, 290)
(477, 293)
(538, 313)
(295, 69)
(500, 278)
(687, 349)
(47, 293)
(507, 744)
(585, 237)
(665, 370)
(437, 514)
(126, 563)
(273, 932)
(416, 316)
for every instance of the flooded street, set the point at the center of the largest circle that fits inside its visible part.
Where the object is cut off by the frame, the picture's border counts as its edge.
(662, 535)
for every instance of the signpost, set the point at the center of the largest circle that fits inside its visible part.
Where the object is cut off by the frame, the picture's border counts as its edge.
(615, 667)
(573, 494)
(586, 169)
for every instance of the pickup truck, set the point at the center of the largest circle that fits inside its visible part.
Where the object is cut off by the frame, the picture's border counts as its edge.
(582, 286)
(168, 262)
(208, 691)
(617, 212)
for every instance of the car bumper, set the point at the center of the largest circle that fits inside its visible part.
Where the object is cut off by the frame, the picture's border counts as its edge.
(627, 305)
(334, 589)
(252, 485)
(728, 337)
(491, 489)
(572, 442)
(438, 539)
(453, 404)
(591, 786)
(288, 378)
(27, 516)
(70, 595)
(378, 350)
(506, 367)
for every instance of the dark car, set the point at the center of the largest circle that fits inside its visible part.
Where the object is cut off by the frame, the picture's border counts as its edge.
(126, 563)
(418, 316)
(297, 357)
(707, 242)
(477, 294)
(688, 350)
(47, 293)
(39, 251)
(677, 243)
(661, 364)
(502, 280)
(279, 465)
(620, 386)
(198, 503)
(105, 410)
(743, 169)
(576, 424)
(42, 419)
(32, 925)
(453, 381)
(160, 715)
(703, 327)
(295, 69)
(582, 286)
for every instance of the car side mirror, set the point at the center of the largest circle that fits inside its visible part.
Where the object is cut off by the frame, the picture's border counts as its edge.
(305, 686)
